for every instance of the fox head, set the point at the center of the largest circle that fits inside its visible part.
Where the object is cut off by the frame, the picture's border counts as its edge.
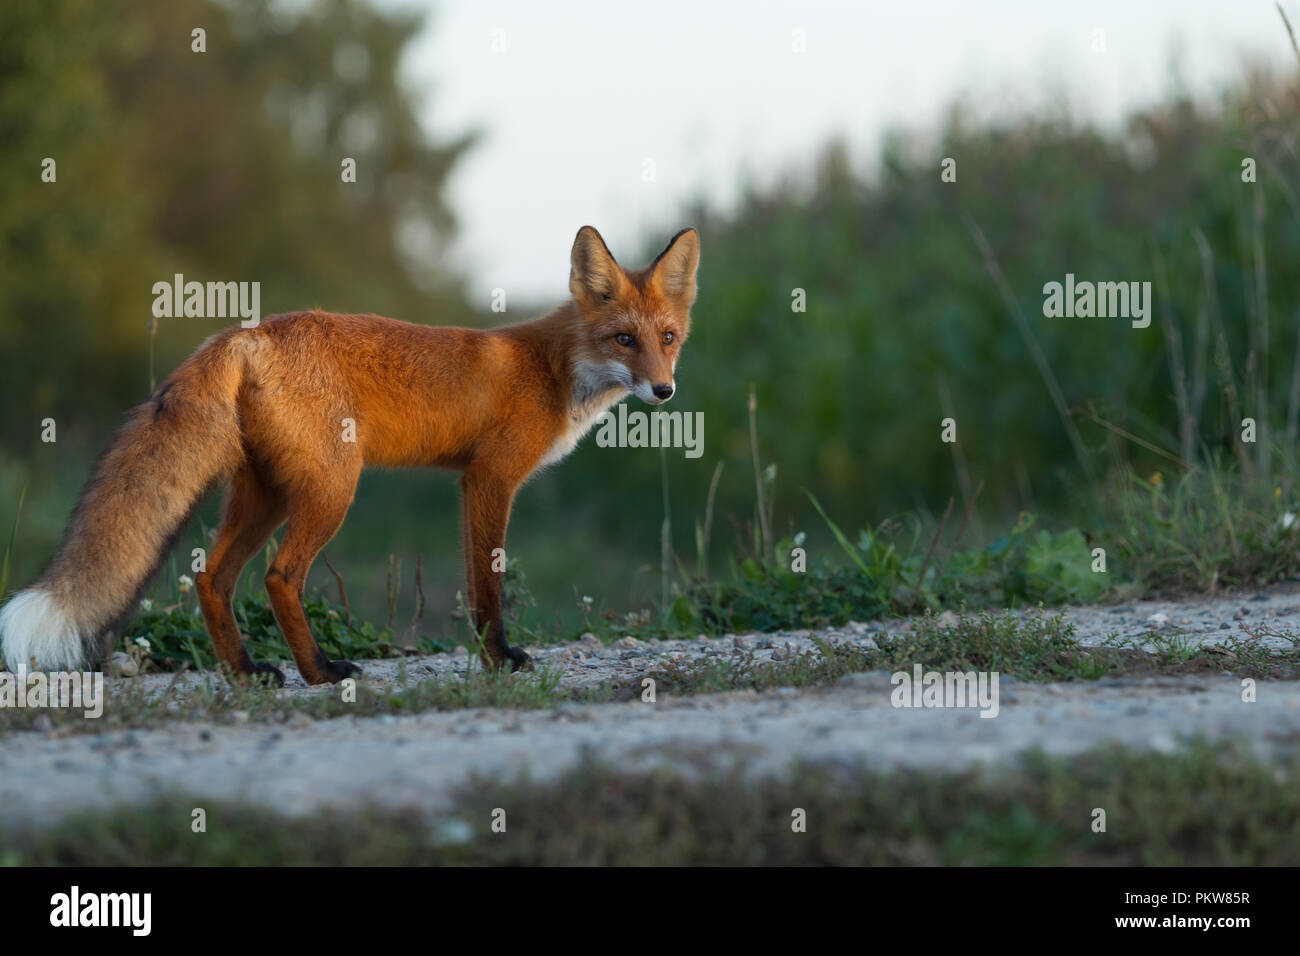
(634, 322)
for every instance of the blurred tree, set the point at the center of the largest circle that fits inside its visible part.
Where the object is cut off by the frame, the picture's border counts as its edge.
(222, 165)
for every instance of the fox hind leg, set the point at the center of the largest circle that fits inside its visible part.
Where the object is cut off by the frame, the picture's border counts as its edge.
(252, 512)
(315, 515)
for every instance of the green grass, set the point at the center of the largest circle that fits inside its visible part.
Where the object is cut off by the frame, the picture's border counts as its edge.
(1211, 530)
(1245, 812)
(9, 547)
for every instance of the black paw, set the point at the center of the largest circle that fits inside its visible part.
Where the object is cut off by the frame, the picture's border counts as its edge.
(340, 670)
(267, 674)
(519, 661)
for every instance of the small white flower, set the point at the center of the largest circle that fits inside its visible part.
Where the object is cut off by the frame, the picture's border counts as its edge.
(186, 582)
(146, 604)
(143, 643)
(1288, 520)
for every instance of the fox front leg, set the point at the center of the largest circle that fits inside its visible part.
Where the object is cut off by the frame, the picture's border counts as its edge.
(486, 502)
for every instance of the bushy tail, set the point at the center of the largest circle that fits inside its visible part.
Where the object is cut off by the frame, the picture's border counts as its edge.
(143, 490)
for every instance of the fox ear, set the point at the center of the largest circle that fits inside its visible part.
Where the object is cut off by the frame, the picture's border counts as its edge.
(674, 269)
(593, 273)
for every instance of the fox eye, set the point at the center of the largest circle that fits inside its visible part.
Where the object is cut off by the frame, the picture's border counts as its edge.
(668, 338)
(624, 339)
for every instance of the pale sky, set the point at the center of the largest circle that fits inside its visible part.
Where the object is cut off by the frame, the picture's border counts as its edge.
(586, 94)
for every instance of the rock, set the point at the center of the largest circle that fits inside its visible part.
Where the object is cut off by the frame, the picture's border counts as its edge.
(628, 643)
(123, 666)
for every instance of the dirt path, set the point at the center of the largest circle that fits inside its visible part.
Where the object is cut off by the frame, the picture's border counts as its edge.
(418, 759)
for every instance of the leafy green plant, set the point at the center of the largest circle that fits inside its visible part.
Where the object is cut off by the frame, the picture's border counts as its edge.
(175, 635)
(1024, 567)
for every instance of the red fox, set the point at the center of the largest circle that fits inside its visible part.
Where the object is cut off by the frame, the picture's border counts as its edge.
(290, 411)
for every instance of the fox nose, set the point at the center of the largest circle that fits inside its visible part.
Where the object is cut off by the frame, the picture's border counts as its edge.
(663, 391)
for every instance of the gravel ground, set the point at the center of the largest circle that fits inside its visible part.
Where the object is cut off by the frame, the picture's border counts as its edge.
(417, 760)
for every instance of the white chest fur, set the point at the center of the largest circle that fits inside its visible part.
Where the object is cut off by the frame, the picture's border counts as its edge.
(581, 419)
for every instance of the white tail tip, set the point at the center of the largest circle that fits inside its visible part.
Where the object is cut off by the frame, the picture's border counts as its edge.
(34, 627)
